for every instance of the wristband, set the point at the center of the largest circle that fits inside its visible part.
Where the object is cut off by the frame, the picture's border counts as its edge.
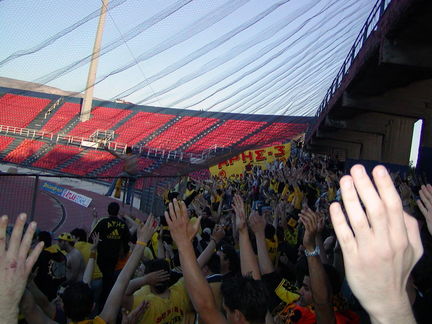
(141, 243)
(313, 253)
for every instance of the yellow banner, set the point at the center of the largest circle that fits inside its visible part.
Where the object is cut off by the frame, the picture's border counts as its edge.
(248, 159)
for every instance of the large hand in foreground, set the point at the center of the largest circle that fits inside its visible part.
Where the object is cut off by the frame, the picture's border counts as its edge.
(425, 204)
(381, 248)
(182, 231)
(15, 265)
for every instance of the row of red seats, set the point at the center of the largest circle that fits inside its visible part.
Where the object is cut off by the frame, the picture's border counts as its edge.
(58, 155)
(19, 111)
(226, 135)
(23, 151)
(181, 132)
(61, 117)
(5, 141)
(140, 126)
(276, 133)
(102, 118)
(90, 161)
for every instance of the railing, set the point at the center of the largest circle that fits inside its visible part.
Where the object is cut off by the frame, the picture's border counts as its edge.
(95, 143)
(369, 26)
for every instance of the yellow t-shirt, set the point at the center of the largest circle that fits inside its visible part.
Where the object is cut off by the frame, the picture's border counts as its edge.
(96, 320)
(272, 247)
(85, 249)
(170, 310)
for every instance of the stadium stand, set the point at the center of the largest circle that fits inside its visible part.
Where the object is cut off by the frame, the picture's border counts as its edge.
(181, 132)
(60, 118)
(5, 141)
(58, 155)
(102, 118)
(140, 126)
(18, 110)
(227, 134)
(24, 151)
(88, 162)
(277, 132)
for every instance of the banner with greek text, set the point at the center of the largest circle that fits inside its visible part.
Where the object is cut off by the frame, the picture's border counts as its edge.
(67, 194)
(239, 163)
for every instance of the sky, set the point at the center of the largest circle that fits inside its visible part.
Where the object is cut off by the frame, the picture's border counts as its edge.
(244, 56)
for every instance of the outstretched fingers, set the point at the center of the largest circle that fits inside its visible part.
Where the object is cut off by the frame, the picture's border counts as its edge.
(15, 239)
(356, 214)
(391, 200)
(343, 231)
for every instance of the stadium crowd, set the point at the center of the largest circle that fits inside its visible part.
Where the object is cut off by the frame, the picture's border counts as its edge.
(298, 242)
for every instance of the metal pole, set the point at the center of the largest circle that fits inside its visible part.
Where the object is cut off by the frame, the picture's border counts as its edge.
(35, 190)
(88, 95)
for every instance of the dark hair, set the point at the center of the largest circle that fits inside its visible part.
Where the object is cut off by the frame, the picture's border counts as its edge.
(214, 264)
(80, 234)
(270, 232)
(78, 301)
(128, 149)
(113, 209)
(232, 256)
(156, 265)
(45, 237)
(247, 295)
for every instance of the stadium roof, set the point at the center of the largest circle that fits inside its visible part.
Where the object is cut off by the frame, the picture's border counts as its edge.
(236, 56)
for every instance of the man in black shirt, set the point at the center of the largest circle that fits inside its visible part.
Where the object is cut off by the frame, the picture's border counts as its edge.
(113, 240)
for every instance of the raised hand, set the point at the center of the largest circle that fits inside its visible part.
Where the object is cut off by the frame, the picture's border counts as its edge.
(425, 204)
(145, 231)
(380, 245)
(135, 315)
(218, 233)
(182, 231)
(153, 278)
(311, 223)
(257, 223)
(95, 239)
(15, 265)
(239, 210)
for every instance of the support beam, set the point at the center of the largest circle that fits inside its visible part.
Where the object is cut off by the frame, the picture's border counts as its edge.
(407, 52)
(88, 95)
(352, 149)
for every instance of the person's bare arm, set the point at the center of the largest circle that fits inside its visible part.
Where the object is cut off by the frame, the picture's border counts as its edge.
(150, 278)
(15, 265)
(307, 212)
(32, 312)
(217, 236)
(88, 272)
(198, 288)
(258, 224)
(248, 260)
(380, 246)
(112, 305)
(320, 286)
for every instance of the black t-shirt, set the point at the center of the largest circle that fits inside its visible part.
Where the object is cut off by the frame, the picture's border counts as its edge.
(113, 235)
(51, 272)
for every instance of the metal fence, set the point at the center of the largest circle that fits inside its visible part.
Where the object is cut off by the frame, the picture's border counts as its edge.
(52, 200)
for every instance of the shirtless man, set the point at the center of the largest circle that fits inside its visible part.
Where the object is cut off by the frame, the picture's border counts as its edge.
(75, 265)
(130, 170)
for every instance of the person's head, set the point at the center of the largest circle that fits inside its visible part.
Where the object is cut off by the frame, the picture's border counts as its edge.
(66, 241)
(229, 259)
(129, 150)
(113, 209)
(333, 278)
(156, 265)
(244, 299)
(213, 265)
(45, 237)
(80, 234)
(77, 301)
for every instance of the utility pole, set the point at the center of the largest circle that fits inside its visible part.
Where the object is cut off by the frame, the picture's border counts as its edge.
(88, 95)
